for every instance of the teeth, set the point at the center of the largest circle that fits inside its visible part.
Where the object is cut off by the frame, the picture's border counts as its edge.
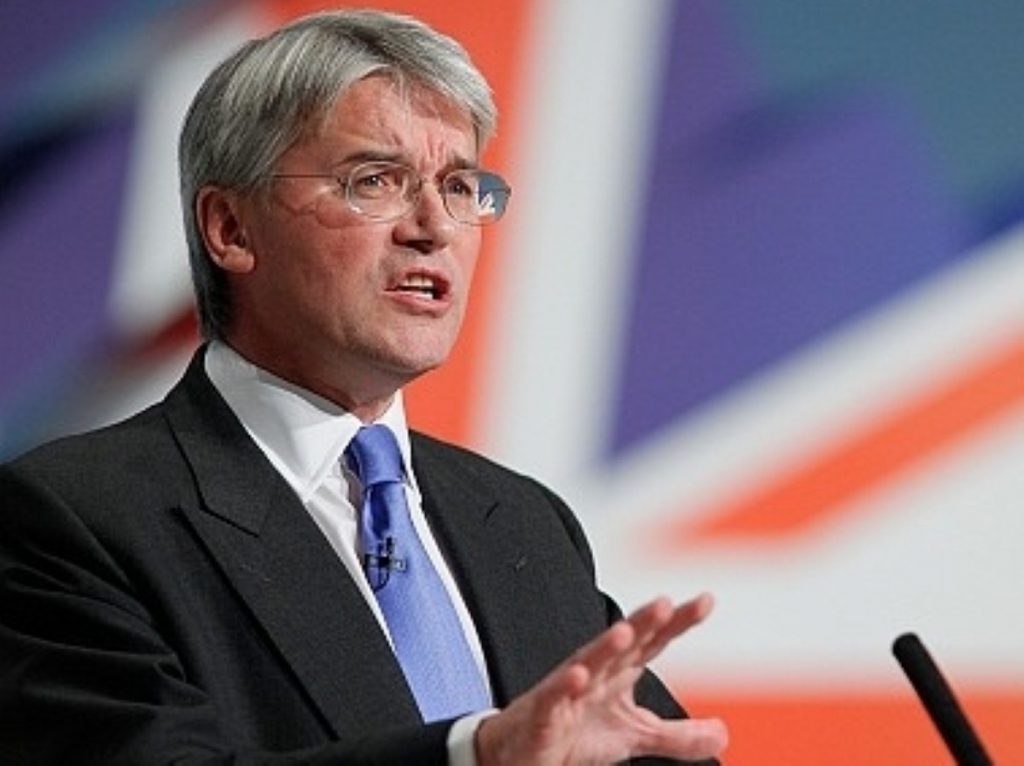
(420, 283)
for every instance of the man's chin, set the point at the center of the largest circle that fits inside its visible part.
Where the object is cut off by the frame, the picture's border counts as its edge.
(418, 356)
(406, 367)
(412, 370)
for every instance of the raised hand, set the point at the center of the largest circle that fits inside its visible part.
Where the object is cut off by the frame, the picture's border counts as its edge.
(583, 712)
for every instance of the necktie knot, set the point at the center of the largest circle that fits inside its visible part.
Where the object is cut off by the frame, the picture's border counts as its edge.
(375, 456)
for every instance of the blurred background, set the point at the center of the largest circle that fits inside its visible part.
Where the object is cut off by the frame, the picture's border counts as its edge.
(757, 312)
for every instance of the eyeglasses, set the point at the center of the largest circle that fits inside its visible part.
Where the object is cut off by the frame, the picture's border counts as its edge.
(387, 191)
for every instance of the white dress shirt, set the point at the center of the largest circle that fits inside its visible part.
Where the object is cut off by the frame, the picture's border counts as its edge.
(304, 436)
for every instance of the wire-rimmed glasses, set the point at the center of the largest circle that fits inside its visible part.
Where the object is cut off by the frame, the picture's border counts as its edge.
(386, 191)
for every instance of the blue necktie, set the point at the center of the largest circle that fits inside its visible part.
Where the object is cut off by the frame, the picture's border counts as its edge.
(425, 631)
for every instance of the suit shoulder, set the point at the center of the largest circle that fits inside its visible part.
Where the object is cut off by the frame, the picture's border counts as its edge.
(469, 463)
(461, 465)
(135, 447)
(98, 443)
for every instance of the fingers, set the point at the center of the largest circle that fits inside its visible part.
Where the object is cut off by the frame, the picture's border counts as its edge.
(567, 682)
(599, 658)
(658, 623)
(680, 620)
(634, 641)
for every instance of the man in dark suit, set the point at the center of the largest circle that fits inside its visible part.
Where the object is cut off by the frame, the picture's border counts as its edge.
(196, 585)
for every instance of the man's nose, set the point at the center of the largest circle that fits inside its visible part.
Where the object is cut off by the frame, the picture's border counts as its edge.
(428, 226)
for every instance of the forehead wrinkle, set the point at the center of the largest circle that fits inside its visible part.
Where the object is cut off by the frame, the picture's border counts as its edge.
(431, 124)
(419, 126)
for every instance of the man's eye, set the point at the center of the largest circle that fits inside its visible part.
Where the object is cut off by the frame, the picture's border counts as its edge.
(376, 183)
(376, 180)
(461, 185)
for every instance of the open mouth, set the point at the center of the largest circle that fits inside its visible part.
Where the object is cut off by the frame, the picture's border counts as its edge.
(423, 285)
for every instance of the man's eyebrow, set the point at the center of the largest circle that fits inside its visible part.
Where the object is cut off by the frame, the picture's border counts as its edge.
(369, 155)
(462, 163)
(380, 155)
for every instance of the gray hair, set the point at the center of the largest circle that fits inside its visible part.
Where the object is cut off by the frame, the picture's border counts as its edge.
(263, 98)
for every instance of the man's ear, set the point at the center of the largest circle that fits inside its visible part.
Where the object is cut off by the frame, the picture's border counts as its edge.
(219, 217)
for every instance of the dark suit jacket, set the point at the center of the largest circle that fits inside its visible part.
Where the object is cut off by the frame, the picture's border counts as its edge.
(164, 597)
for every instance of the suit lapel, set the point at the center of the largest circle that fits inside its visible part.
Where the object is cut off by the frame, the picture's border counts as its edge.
(487, 552)
(283, 568)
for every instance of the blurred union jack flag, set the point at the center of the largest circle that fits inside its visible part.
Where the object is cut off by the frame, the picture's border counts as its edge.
(756, 311)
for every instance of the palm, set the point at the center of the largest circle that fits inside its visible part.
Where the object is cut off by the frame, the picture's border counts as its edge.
(602, 728)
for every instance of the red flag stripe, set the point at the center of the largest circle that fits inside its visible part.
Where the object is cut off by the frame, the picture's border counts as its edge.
(821, 486)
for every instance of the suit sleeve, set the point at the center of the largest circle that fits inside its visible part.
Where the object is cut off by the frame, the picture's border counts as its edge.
(86, 676)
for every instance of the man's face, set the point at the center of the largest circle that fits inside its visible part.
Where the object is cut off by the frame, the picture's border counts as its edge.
(356, 309)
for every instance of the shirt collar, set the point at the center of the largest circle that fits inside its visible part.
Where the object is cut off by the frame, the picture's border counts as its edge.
(301, 433)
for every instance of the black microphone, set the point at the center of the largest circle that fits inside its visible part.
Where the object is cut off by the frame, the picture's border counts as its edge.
(937, 698)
